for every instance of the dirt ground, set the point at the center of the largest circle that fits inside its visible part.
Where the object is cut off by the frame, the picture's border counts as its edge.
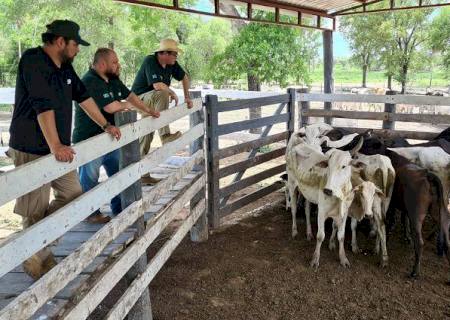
(255, 270)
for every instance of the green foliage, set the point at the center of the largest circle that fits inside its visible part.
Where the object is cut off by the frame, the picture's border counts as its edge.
(440, 37)
(268, 53)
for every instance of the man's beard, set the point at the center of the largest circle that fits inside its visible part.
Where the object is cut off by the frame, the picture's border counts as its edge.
(112, 75)
(65, 58)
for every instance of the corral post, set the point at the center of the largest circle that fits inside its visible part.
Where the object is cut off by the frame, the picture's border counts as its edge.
(304, 106)
(328, 69)
(130, 154)
(291, 111)
(199, 231)
(212, 158)
(390, 108)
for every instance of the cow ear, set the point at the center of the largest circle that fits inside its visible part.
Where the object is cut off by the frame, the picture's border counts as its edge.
(359, 165)
(322, 164)
(355, 150)
(380, 193)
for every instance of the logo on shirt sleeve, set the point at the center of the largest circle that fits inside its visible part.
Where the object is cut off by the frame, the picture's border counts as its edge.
(155, 76)
(106, 95)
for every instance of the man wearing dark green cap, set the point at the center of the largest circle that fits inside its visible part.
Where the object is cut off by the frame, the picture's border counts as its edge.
(45, 87)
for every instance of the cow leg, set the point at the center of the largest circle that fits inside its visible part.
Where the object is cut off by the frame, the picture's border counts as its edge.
(445, 225)
(341, 236)
(417, 221)
(373, 228)
(355, 248)
(319, 238)
(286, 193)
(332, 243)
(293, 195)
(309, 234)
(406, 223)
(381, 240)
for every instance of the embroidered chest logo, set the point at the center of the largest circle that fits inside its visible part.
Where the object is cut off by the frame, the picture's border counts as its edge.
(155, 76)
(69, 81)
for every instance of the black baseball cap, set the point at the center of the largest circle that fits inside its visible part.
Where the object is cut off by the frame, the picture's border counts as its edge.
(68, 29)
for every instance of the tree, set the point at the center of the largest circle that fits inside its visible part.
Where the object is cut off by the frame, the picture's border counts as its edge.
(264, 53)
(440, 37)
(364, 32)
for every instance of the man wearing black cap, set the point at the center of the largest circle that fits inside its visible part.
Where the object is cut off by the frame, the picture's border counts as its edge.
(45, 87)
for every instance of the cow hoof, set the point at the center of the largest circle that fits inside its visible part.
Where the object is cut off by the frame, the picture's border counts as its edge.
(345, 263)
(332, 246)
(414, 275)
(294, 234)
(356, 250)
(314, 264)
(309, 236)
(384, 264)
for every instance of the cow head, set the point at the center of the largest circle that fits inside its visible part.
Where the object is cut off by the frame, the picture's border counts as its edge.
(339, 171)
(365, 194)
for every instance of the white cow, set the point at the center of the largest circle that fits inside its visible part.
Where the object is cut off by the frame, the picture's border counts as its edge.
(324, 179)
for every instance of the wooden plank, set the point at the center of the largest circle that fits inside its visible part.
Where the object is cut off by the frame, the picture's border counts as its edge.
(24, 244)
(304, 106)
(104, 284)
(346, 114)
(389, 108)
(14, 283)
(366, 98)
(328, 81)
(416, 135)
(199, 232)
(121, 308)
(238, 94)
(250, 145)
(212, 164)
(290, 126)
(244, 183)
(49, 310)
(234, 105)
(252, 153)
(243, 201)
(96, 264)
(130, 154)
(254, 123)
(72, 287)
(30, 176)
(64, 271)
(421, 118)
(239, 166)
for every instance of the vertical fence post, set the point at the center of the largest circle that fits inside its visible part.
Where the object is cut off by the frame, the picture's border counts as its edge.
(130, 154)
(304, 106)
(389, 107)
(212, 158)
(291, 111)
(199, 231)
(328, 69)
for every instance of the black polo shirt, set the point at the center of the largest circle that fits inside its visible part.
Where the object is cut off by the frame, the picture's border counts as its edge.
(42, 86)
(151, 72)
(103, 93)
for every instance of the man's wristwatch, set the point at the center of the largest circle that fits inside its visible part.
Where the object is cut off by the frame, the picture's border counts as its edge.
(106, 125)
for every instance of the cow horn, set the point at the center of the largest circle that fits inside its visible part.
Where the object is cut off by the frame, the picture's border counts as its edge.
(357, 147)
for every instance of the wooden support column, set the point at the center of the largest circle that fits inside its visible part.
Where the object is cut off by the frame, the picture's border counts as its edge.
(304, 106)
(291, 111)
(328, 83)
(212, 159)
(389, 107)
(130, 154)
(199, 231)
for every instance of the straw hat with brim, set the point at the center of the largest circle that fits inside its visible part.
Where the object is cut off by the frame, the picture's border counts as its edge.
(168, 45)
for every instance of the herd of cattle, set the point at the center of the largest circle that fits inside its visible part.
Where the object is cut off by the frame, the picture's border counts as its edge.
(364, 175)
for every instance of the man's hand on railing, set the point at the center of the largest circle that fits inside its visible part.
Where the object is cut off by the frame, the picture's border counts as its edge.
(173, 97)
(114, 131)
(155, 114)
(189, 102)
(63, 153)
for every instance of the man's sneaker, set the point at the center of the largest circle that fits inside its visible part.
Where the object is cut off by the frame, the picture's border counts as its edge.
(149, 180)
(98, 218)
(169, 137)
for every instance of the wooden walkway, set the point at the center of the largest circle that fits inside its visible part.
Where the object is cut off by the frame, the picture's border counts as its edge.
(15, 282)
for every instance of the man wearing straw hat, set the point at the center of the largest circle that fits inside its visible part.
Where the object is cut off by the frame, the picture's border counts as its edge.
(152, 85)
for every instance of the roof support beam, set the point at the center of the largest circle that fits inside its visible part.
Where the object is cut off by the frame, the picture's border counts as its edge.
(277, 6)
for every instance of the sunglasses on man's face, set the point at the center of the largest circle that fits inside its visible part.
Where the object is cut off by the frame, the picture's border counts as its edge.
(172, 53)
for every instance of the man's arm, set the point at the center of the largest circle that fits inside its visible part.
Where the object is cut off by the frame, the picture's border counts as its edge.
(134, 100)
(48, 126)
(92, 110)
(161, 86)
(187, 97)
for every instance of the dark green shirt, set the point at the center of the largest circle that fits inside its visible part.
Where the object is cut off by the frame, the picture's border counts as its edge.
(103, 93)
(152, 72)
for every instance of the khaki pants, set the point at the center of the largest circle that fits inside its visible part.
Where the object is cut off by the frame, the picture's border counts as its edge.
(35, 206)
(154, 100)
